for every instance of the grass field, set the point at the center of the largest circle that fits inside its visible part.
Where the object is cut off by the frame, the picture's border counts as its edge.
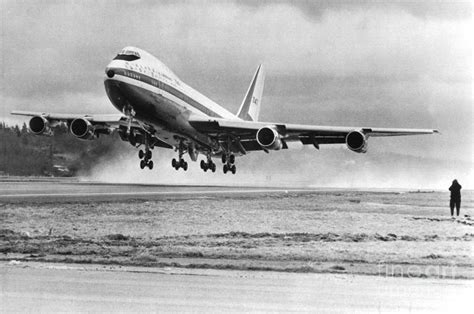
(391, 233)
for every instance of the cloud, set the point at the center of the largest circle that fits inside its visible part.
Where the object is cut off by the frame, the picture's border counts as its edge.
(75, 39)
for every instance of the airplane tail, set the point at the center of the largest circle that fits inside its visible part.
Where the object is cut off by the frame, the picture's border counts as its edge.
(250, 108)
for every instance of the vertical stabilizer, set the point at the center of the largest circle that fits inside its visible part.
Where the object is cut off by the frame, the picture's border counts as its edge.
(250, 108)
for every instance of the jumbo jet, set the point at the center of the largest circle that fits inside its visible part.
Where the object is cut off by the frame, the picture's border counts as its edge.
(159, 110)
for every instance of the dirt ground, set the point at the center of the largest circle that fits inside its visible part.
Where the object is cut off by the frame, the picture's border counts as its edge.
(394, 233)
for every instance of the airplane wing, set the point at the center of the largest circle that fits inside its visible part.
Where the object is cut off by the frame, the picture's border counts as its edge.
(246, 132)
(100, 118)
(89, 126)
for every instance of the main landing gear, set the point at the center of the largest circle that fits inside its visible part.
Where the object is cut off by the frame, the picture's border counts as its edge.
(181, 163)
(145, 157)
(208, 165)
(228, 160)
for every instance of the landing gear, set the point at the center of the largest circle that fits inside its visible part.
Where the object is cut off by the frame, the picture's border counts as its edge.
(181, 163)
(145, 163)
(146, 155)
(208, 165)
(229, 168)
(228, 160)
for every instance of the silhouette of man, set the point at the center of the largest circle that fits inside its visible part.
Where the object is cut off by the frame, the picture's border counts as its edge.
(455, 189)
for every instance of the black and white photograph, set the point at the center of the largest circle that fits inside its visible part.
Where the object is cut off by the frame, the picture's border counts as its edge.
(236, 156)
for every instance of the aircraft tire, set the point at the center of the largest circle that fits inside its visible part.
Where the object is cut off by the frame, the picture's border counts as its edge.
(141, 154)
(232, 159)
(225, 168)
(150, 164)
(203, 164)
(174, 163)
(185, 166)
(233, 169)
(224, 158)
(142, 164)
(148, 154)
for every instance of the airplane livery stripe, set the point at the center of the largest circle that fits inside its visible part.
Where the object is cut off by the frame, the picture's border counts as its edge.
(167, 88)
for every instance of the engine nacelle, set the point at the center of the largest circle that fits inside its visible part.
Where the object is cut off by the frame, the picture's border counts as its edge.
(83, 129)
(356, 141)
(40, 126)
(269, 138)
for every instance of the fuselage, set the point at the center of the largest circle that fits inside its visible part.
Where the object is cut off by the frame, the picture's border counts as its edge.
(138, 82)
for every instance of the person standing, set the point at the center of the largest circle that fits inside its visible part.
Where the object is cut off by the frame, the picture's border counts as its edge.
(455, 189)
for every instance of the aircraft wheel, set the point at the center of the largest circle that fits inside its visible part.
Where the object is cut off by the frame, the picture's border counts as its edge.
(224, 158)
(203, 164)
(231, 159)
(185, 166)
(148, 154)
(225, 168)
(142, 164)
(233, 169)
(141, 154)
(213, 168)
(150, 164)
(174, 163)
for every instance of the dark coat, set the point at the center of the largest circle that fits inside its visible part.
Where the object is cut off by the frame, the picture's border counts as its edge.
(455, 189)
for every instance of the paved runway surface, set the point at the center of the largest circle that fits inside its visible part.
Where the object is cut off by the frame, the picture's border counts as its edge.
(70, 190)
(54, 287)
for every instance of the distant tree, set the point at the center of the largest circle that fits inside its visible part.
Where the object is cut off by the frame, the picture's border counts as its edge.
(17, 130)
(62, 128)
(24, 139)
(24, 129)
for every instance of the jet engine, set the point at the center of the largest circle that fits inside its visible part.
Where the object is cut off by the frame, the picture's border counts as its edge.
(356, 141)
(269, 138)
(83, 129)
(40, 126)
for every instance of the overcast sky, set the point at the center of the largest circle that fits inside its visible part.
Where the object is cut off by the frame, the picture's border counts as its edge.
(400, 64)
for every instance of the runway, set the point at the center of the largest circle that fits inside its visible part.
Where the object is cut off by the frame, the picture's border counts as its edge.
(71, 190)
(47, 288)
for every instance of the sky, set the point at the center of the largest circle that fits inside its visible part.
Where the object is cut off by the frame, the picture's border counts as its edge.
(401, 64)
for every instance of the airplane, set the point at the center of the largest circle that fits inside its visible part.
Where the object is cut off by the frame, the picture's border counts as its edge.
(159, 110)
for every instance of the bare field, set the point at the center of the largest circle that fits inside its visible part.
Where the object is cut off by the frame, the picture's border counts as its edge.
(369, 232)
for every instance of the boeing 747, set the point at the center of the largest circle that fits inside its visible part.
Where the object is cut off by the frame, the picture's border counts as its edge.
(159, 110)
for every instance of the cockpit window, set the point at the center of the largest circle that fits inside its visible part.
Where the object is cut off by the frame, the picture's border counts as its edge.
(127, 55)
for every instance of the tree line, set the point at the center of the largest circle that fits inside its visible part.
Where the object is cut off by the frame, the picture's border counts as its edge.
(25, 154)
